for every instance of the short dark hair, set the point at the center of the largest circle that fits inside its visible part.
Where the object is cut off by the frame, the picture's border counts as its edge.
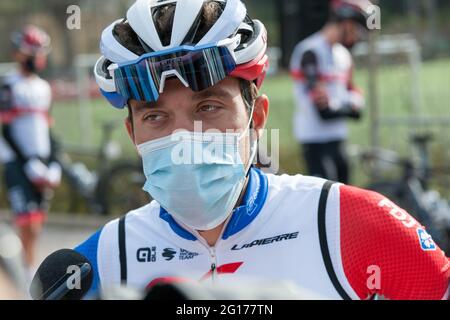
(164, 17)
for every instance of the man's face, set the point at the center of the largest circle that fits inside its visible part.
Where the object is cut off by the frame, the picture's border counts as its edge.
(220, 107)
(31, 63)
(351, 33)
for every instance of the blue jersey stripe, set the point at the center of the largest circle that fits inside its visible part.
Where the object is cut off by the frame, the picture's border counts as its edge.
(89, 250)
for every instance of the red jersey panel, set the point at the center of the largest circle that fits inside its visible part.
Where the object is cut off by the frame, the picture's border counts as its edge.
(387, 252)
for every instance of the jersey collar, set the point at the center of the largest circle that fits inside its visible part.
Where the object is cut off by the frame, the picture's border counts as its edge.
(253, 201)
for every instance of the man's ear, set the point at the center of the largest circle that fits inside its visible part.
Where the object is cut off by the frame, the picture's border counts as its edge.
(260, 114)
(130, 130)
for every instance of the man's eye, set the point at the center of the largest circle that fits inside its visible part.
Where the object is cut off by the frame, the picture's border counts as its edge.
(154, 117)
(209, 108)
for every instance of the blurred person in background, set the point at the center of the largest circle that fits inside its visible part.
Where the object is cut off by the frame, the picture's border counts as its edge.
(325, 95)
(30, 170)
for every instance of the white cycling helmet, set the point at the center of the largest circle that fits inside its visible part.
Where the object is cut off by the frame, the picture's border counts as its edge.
(235, 44)
(356, 10)
(31, 40)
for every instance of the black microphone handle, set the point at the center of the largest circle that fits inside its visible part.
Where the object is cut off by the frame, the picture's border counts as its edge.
(62, 289)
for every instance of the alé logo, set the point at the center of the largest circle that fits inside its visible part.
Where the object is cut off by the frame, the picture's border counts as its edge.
(146, 254)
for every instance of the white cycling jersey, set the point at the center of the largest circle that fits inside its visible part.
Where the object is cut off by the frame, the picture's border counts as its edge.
(26, 114)
(279, 233)
(334, 63)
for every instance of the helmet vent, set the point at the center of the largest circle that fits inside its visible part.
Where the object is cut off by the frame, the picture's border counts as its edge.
(210, 14)
(246, 30)
(126, 36)
(190, 36)
(164, 17)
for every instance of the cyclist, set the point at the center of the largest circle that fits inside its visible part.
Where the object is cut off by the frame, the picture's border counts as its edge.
(217, 218)
(325, 95)
(30, 171)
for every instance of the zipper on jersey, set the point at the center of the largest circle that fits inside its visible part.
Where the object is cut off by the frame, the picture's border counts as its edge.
(213, 271)
(212, 254)
(213, 264)
(212, 250)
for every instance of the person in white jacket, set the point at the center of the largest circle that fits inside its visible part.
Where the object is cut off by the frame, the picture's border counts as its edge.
(325, 95)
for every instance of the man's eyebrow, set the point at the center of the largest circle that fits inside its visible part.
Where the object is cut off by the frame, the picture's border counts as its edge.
(143, 106)
(213, 92)
(202, 95)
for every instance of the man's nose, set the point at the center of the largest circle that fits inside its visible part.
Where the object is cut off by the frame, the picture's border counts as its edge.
(185, 123)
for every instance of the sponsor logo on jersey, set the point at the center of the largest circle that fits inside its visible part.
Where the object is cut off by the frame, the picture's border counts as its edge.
(146, 254)
(426, 242)
(398, 213)
(261, 242)
(187, 255)
(169, 253)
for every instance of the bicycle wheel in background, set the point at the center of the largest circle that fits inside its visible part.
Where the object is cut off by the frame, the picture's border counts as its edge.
(120, 189)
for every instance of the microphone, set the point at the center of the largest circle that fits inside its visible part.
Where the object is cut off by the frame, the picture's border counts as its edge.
(63, 275)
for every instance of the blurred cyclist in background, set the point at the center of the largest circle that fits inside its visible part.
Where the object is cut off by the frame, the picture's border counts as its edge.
(326, 97)
(30, 170)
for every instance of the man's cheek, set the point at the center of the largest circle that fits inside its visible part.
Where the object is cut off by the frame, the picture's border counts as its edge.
(139, 136)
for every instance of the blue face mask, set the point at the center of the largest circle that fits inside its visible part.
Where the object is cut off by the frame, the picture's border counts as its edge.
(196, 177)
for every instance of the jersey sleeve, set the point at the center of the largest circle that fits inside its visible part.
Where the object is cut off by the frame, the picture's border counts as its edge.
(19, 152)
(386, 252)
(89, 249)
(5, 97)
